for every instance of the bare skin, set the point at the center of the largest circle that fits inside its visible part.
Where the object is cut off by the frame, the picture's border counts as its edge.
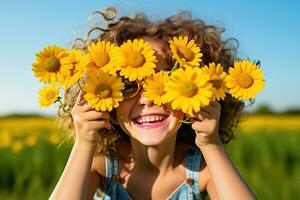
(157, 160)
(130, 178)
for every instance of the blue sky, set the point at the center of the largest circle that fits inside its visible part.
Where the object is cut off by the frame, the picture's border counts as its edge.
(266, 30)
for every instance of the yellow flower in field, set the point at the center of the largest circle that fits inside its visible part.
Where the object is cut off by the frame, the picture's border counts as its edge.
(5, 139)
(104, 56)
(17, 146)
(187, 53)
(103, 91)
(154, 87)
(76, 63)
(48, 96)
(31, 140)
(245, 80)
(217, 78)
(54, 138)
(188, 90)
(48, 66)
(137, 60)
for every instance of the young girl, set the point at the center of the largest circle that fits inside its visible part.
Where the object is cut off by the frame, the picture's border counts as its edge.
(144, 151)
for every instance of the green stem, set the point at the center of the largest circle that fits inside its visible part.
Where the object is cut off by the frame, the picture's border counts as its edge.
(79, 86)
(61, 103)
(186, 121)
(175, 66)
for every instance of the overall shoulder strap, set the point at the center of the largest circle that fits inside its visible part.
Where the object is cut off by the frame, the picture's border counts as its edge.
(112, 164)
(192, 170)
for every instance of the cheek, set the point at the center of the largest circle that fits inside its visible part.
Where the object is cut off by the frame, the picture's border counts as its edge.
(123, 113)
(124, 109)
(178, 114)
(177, 118)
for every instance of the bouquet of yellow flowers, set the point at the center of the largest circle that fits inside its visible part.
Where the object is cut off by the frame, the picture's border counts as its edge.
(111, 73)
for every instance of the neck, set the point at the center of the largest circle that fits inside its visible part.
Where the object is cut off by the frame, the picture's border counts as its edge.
(154, 158)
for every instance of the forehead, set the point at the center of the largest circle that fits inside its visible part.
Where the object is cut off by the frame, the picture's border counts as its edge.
(156, 44)
(161, 49)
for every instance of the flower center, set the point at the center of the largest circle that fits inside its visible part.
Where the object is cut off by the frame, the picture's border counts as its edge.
(188, 89)
(102, 59)
(186, 53)
(245, 81)
(217, 83)
(159, 89)
(50, 95)
(52, 64)
(136, 59)
(103, 91)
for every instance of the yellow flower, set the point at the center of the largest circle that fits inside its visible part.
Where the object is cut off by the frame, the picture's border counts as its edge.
(187, 53)
(48, 66)
(48, 96)
(188, 90)
(245, 80)
(137, 60)
(154, 87)
(6, 139)
(54, 138)
(31, 140)
(17, 146)
(104, 56)
(217, 78)
(103, 92)
(76, 63)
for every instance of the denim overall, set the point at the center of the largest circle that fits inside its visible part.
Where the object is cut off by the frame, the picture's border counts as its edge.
(187, 190)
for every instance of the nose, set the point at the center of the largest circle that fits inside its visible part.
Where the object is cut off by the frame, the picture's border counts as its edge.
(142, 100)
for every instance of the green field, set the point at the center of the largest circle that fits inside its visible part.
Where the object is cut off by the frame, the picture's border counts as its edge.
(30, 166)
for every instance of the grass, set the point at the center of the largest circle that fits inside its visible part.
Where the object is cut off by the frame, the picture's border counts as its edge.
(269, 162)
(268, 159)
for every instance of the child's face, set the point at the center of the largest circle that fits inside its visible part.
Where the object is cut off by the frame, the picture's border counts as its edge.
(141, 119)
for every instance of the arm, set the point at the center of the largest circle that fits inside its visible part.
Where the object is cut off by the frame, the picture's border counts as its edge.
(75, 177)
(79, 178)
(224, 180)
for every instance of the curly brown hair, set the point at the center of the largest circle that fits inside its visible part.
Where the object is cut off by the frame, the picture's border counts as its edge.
(214, 49)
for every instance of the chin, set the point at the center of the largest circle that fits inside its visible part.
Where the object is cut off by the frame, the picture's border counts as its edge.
(150, 141)
(151, 138)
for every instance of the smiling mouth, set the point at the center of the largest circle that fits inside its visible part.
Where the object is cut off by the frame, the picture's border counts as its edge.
(150, 121)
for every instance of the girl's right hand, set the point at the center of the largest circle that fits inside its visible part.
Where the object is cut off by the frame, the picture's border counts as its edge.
(88, 122)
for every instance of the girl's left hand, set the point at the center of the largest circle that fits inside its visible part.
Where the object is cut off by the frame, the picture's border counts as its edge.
(206, 125)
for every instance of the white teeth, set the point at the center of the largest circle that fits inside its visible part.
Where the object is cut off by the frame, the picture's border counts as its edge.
(152, 118)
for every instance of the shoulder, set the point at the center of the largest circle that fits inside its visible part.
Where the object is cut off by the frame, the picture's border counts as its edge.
(97, 176)
(122, 153)
(98, 165)
(206, 185)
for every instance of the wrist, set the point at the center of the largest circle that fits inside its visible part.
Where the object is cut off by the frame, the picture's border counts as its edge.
(85, 144)
(208, 145)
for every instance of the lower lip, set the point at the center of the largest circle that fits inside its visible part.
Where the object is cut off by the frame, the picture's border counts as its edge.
(153, 125)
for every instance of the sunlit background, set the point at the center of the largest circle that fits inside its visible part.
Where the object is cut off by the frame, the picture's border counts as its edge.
(266, 149)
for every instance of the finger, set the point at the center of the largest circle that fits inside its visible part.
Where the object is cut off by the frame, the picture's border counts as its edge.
(85, 107)
(96, 115)
(216, 105)
(99, 124)
(199, 127)
(202, 115)
(79, 97)
(199, 116)
(214, 108)
(194, 116)
(208, 109)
